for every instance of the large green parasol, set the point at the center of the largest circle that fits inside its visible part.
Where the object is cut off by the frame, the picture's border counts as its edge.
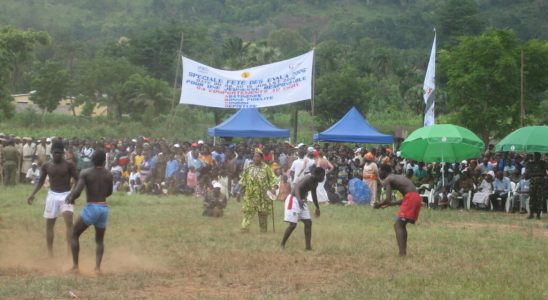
(526, 139)
(441, 143)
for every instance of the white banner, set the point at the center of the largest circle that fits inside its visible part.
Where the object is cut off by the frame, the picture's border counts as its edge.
(267, 85)
(429, 87)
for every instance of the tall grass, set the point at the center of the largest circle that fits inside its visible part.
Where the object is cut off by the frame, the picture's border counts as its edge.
(162, 248)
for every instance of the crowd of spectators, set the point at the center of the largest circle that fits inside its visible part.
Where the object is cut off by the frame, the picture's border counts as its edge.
(160, 166)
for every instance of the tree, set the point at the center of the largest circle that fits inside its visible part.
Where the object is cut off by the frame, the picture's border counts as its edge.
(145, 94)
(337, 93)
(483, 82)
(102, 80)
(535, 56)
(234, 51)
(459, 18)
(16, 47)
(51, 83)
(290, 42)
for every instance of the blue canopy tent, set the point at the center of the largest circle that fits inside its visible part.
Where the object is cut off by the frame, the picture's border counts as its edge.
(353, 128)
(247, 122)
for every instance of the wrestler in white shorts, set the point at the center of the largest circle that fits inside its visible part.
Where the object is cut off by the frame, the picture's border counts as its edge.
(293, 212)
(55, 204)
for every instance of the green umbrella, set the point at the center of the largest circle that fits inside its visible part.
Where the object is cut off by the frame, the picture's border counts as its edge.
(441, 143)
(526, 139)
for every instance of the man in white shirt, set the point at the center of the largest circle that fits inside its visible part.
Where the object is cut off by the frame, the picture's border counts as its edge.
(299, 167)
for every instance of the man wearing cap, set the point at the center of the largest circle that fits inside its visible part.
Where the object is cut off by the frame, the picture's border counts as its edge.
(299, 166)
(41, 152)
(60, 173)
(28, 156)
(33, 174)
(10, 161)
(19, 146)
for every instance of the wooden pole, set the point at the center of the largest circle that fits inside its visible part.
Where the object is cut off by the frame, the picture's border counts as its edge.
(522, 106)
(173, 105)
(313, 75)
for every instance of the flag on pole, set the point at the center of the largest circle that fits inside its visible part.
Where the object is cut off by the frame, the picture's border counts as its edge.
(267, 85)
(429, 86)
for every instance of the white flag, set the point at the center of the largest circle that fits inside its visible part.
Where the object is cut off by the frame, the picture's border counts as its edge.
(430, 86)
(267, 85)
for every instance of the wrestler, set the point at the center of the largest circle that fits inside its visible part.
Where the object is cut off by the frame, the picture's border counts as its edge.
(296, 208)
(98, 184)
(60, 173)
(410, 206)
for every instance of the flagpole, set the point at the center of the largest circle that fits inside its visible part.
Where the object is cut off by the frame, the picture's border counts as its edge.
(173, 105)
(522, 111)
(430, 86)
(313, 74)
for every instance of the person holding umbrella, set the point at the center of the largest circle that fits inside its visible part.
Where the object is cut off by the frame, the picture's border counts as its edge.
(536, 170)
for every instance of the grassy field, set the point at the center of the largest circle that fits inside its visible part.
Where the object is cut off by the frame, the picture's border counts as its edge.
(162, 248)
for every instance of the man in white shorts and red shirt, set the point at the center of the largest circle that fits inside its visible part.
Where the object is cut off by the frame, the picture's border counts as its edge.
(60, 173)
(296, 208)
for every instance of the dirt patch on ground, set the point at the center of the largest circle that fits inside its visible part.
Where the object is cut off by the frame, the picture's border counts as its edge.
(275, 274)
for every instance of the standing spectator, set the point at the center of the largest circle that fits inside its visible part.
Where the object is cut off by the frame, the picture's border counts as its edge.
(536, 171)
(371, 176)
(28, 155)
(256, 180)
(299, 167)
(522, 191)
(41, 152)
(10, 157)
(85, 154)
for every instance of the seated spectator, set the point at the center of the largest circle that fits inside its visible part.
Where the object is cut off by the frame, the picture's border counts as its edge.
(502, 188)
(461, 188)
(420, 173)
(485, 189)
(522, 194)
(441, 200)
(191, 179)
(214, 202)
(33, 174)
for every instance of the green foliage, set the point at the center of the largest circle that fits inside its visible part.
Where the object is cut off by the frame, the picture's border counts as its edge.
(51, 84)
(16, 48)
(337, 93)
(458, 18)
(482, 79)
(145, 94)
